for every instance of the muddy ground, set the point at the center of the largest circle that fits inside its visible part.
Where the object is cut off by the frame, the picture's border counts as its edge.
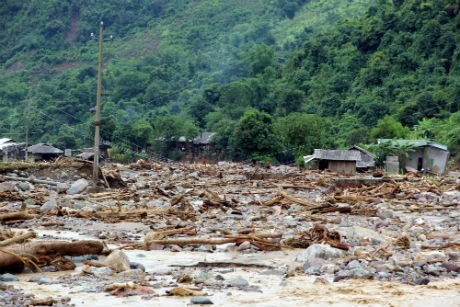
(229, 234)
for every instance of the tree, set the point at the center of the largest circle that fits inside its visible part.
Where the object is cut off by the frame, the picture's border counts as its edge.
(142, 133)
(302, 133)
(388, 128)
(254, 134)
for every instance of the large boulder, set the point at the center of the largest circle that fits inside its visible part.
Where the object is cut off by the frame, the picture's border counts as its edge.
(430, 257)
(78, 186)
(359, 234)
(317, 252)
(49, 205)
(117, 261)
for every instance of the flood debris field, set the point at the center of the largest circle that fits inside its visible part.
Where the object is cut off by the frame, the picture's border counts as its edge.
(225, 234)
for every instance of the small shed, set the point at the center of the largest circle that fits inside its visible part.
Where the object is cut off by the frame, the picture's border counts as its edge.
(43, 151)
(341, 161)
(367, 159)
(204, 138)
(424, 155)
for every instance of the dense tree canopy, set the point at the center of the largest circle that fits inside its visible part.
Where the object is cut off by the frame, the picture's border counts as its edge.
(271, 78)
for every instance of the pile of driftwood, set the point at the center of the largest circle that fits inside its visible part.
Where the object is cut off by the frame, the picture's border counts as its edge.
(15, 255)
(264, 241)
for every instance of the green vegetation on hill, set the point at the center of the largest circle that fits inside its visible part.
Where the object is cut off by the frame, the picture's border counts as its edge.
(272, 78)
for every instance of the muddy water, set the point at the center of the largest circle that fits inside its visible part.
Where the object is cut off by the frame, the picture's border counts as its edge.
(271, 290)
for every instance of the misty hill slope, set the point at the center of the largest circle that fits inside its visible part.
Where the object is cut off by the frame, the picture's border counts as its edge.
(180, 66)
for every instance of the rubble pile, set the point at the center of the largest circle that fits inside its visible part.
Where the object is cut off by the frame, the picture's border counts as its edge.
(402, 229)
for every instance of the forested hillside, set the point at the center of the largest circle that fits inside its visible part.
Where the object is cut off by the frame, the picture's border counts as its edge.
(272, 78)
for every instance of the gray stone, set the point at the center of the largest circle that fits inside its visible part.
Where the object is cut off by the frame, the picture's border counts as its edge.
(243, 246)
(386, 214)
(41, 280)
(422, 281)
(360, 273)
(8, 277)
(203, 276)
(239, 282)
(29, 202)
(137, 266)
(133, 275)
(25, 186)
(329, 268)
(295, 208)
(354, 264)
(433, 269)
(314, 269)
(430, 257)
(102, 272)
(78, 186)
(357, 233)
(201, 300)
(194, 175)
(62, 187)
(319, 251)
(451, 266)
(49, 205)
(7, 186)
(117, 261)
(273, 272)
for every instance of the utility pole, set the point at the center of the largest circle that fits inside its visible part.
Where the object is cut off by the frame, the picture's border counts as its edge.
(27, 128)
(97, 123)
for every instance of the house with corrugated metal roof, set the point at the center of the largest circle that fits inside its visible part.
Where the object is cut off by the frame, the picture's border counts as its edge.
(422, 155)
(341, 161)
(10, 149)
(367, 159)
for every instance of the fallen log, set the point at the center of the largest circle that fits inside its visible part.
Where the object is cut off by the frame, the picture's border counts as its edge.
(297, 200)
(224, 264)
(32, 180)
(192, 241)
(273, 201)
(18, 215)
(18, 239)
(158, 235)
(317, 234)
(13, 258)
(256, 239)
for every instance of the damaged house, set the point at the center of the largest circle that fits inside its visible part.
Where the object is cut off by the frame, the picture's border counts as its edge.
(10, 149)
(341, 161)
(43, 151)
(367, 159)
(421, 155)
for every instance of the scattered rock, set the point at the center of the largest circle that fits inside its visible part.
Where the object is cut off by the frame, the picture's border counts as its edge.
(203, 276)
(7, 186)
(201, 300)
(451, 266)
(137, 266)
(243, 246)
(422, 281)
(194, 175)
(62, 187)
(49, 205)
(360, 234)
(239, 282)
(25, 186)
(430, 257)
(118, 261)
(319, 251)
(7, 277)
(78, 186)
